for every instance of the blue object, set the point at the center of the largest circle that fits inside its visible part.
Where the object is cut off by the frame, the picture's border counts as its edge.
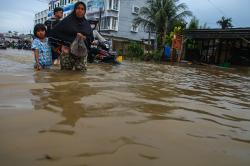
(167, 52)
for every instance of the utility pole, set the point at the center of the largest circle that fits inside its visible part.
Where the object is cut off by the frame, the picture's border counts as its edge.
(100, 18)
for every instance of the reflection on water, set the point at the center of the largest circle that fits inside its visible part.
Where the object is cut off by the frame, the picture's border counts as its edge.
(62, 95)
(177, 102)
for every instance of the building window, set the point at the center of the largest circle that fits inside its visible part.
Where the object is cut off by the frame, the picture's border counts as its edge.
(114, 24)
(134, 28)
(109, 23)
(105, 23)
(110, 4)
(114, 4)
(135, 9)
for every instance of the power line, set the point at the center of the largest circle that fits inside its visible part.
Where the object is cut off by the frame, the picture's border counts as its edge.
(216, 7)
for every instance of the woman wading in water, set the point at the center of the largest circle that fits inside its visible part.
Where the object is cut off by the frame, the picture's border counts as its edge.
(73, 28)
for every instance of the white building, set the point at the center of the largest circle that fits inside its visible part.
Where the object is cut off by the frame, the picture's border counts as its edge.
(41, 17)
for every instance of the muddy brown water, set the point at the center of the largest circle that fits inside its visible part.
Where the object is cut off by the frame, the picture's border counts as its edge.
(131, 114)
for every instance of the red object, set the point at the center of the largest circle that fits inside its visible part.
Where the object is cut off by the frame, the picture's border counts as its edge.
(177, 42)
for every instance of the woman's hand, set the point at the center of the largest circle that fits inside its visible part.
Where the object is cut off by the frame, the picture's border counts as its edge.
(95, 42)
(81, 36)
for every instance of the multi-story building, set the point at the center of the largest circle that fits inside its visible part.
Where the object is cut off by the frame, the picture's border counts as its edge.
(116, 23)
(117, 17)
(41, 17)
(117, 20)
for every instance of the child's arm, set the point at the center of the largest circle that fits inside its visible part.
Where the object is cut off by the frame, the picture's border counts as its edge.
(36, 54)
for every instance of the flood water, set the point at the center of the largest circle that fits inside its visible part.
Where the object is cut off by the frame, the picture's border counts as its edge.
(133, 114)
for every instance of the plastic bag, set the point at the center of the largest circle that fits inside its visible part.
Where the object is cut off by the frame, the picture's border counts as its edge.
(78, 48)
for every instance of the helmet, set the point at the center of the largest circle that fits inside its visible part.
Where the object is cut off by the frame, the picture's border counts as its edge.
(93, 22)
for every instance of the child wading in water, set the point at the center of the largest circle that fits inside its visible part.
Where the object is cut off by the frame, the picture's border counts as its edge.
(41, 48)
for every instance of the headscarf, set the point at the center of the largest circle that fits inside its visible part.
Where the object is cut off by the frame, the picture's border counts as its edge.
(67, 29)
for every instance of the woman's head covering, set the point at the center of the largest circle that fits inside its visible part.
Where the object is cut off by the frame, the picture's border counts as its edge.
(67, 29)
(77, 4)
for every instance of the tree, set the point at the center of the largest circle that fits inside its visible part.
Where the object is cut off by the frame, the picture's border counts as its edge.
(146, 19)
(225, 22)
(204, 26)
(194, 24)
(161, 15)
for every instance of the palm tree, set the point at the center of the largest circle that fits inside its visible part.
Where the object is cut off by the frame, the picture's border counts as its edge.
(194, 24)
(225, 22)
(161, 15)
(147, 21)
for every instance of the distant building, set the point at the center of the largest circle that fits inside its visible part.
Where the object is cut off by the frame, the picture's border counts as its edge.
(41, 17)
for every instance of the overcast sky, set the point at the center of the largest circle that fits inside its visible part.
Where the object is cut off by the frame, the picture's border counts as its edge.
(18, 15)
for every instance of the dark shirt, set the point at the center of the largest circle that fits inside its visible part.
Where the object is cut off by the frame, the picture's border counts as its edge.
(67, 29)
(50, 24)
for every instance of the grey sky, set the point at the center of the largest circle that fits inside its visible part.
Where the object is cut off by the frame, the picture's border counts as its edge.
(18, 15)
(209, 11)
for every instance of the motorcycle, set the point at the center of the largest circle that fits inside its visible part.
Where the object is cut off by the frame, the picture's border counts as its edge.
(101, 53)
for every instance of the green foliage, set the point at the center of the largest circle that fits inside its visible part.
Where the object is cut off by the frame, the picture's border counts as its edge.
(135, 51)
(225, 22)
(120, 52)
(194, 23)
(169, 37)
(179, 23)
(154, 56)
(161, 16)
(204, 26)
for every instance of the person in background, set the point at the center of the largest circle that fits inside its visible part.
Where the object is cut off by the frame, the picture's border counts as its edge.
(53, 21)
(41, 48)
(98, 38)
(65, 32)
(50, 24)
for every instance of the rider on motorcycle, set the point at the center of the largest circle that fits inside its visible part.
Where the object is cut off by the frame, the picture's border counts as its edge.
(99, 44)
(97, 36)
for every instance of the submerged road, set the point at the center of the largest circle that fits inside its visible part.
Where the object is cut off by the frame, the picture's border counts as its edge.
(131, 114)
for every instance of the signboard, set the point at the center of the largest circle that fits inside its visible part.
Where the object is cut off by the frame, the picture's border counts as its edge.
(95, 5)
